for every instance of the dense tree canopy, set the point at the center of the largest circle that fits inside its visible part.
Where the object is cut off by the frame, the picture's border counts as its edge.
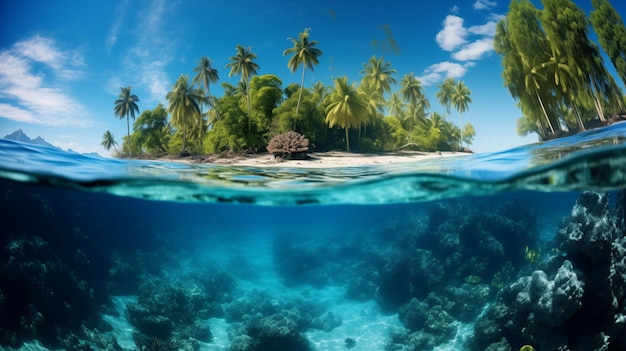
(553, 69)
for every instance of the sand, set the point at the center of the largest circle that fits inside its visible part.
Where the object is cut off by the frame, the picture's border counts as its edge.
(317, 159)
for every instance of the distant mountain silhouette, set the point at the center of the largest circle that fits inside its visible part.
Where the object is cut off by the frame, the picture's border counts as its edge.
(20, 136)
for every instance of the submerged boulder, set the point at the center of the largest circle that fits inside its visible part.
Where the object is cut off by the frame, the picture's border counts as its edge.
(576, 298)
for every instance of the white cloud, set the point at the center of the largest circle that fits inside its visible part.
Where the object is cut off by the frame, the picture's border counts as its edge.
(16, 114)
(442, 70)
(484, 4)
(487, 29)
(453, 33)
(30, 93)
(475, 50)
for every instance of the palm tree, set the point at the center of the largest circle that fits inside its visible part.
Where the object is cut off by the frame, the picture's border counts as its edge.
(460, 101)
(126, 106)
(444, 95)
(532, 79)
(242, 64)
(304, 53)
(396, 105)
(184, 103)
(558, 72)
(379, 74)
(108, 141)
(346, 107)
(412, 93)
(374, 101)
(205, 76)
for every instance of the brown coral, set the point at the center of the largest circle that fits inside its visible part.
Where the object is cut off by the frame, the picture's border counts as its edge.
(289, 146)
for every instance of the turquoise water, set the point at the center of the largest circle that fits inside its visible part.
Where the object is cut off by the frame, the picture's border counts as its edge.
(498, 250)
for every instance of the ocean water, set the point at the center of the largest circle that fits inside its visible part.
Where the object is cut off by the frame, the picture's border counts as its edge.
(477, 252)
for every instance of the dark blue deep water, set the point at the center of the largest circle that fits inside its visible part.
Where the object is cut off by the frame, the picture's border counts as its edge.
(480, 252)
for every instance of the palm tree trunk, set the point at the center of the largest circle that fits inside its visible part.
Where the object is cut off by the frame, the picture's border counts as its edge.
(461, 129)
(578, 118)
(545, 113)
(597, 104)
(184, 139)
(212, 102)
(249, 108)
(301, 87)
(130, 150)
(347, 140)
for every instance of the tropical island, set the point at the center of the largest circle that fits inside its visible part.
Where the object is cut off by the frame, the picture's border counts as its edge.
(551, 67)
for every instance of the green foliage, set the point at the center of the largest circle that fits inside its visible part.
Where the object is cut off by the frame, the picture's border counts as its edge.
(346, 107)
(378, 75)
(184, 101)
(126, 106)
(611, 31)
(304, 53)
(151, 131)
(309, 121)
(108, 141)
(248, 114)
(468, 134)
(553, 69)
(242, 64)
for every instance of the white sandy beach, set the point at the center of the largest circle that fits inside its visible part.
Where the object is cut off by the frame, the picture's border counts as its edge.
(319, 159)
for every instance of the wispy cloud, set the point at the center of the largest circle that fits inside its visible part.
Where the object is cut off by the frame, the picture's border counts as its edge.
(484, 4)
(32, 72)
(438, 71)
(474, 50)
(115, 27)
(147, 60)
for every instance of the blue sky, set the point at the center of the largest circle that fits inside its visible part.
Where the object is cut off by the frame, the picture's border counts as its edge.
(62, 63)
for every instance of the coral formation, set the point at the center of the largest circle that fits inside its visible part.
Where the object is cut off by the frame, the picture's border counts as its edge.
(289, 146)
(575, 300)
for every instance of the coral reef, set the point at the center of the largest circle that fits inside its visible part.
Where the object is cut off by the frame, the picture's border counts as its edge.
(163, 308)
(41, 296)
(575, 300)
(289, 146)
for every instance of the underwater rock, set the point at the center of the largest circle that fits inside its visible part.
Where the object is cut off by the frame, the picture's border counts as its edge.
(278, 332)
(589, 230)
(162, 309)
(576, 300)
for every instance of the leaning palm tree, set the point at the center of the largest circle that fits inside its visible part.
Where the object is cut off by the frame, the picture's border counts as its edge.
(304, 53)
(184, 103)
(126, 107)
(346, 107)
(444, 95)
(379, 74)
(460, 101)
(242, 64)
(532, 82)
(204, 77)
(108, 141)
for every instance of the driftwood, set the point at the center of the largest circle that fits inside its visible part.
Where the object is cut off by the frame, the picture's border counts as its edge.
(289, 146)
